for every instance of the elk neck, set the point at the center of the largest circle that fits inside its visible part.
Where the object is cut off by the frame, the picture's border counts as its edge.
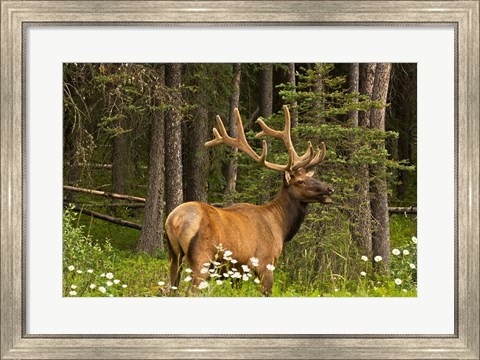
(289, 211)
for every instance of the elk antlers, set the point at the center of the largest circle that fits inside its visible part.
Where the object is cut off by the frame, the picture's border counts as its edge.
(306, 161)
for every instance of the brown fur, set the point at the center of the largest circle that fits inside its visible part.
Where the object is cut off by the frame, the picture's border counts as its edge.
(195, 229)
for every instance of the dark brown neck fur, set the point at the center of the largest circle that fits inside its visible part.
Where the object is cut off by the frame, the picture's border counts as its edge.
(291, 211)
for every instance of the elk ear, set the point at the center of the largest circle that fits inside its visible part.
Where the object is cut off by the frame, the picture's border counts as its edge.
(288, 177)
(310, 173)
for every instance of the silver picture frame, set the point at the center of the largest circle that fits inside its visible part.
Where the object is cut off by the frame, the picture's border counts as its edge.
(16, 15)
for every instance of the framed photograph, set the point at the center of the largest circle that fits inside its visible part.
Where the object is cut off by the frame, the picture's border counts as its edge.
(53, 49)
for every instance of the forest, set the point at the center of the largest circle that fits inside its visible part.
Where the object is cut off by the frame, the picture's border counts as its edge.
(134, 150)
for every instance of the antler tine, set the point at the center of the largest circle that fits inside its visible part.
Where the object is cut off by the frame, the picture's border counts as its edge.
(319, 156)
(240, 142)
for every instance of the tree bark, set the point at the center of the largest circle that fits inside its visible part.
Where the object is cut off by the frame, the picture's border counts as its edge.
(353, 79)
(151, 239)
(195, 134)
(367, 76)
(119, 158)
(293, 105)
(266, 90)
(173, 139)
(379, 196)
(234, 103)
(360, 216)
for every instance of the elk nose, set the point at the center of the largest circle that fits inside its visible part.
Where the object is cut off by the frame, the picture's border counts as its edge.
(330, 190)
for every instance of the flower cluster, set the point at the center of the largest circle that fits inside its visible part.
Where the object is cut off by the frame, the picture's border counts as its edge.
(402, 268)
(223, 269)
(89, 283)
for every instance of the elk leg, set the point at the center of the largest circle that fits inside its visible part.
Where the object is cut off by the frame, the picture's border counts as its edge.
(267, 282)
(176, 264)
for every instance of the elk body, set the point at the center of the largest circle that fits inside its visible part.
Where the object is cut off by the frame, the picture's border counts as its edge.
(195, 230)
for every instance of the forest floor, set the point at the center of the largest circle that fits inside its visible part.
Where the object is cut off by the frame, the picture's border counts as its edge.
(100, 260)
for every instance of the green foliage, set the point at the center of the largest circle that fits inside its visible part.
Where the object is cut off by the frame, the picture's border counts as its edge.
(88, 267)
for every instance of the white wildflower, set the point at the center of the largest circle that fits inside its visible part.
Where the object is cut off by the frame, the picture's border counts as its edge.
(256, 281)
(396, 252)
(116, 281)
(206, 265)
(412, 266)
(109, 275)
(364, 258)
(245, 277)
(377, 258)
(90, 271)
(219, 282)
(226, 275)
(203, 270)
(270, 267)
(398, 281)
(174, 288)
(203, 285)
(124, 286)
(233, 261)
(161, 283)
(109, 283)
(216, 263)
(245, 268)
(73, 293)
(71, 268)
(414, 239)
(187, 279)
(188, 270)
(406, 252)
(102, 289)
(102, 275)
(254, 261)
(236, 275)
(93, 286)
(79, 271)
(363, 273)
(73, 286)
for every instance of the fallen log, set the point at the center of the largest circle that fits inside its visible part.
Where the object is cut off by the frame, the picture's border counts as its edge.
(126, 205)
(403, 210)
(104, 193)
(106, 217)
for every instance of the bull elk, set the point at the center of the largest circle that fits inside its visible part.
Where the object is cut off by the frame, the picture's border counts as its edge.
(195, 230)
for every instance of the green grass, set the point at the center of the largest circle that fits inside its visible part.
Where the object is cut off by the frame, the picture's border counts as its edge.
(296, 275)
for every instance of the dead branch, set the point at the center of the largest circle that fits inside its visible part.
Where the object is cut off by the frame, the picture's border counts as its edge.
(104, 193)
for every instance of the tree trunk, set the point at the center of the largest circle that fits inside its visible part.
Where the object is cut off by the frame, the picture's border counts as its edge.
(353, 79)
(293, 105)
(74, 174)
(379, 199)
(367, 76)
(266, 90)
(119, 158)
(360, 216)
(151, 239)
(173, 139)
(234, 103)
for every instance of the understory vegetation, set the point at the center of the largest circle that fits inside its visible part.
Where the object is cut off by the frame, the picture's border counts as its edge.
(100, 260)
